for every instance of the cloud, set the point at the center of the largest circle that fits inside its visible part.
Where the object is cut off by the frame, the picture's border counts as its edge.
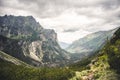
(71, 30)
(69, 37)
(68, 17)
(41, 8)
(53, 8)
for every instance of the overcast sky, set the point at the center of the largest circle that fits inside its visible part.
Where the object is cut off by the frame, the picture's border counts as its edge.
(71, 19)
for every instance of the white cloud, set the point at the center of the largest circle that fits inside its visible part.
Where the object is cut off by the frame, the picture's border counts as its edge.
(66, 16)
(70, 37)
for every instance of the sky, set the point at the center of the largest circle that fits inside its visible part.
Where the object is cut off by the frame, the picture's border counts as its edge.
(71, 19)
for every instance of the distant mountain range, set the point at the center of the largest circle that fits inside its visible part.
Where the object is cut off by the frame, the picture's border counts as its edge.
(91, 43)
(63, 45)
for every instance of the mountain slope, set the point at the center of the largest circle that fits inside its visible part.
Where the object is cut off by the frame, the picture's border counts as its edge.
(104, 65)
(9, 71)
(8, 58)
(25, 39)
(90, 43)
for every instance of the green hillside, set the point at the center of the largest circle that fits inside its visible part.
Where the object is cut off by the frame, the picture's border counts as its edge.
(6, 57)
(104, 66)
(14, 69)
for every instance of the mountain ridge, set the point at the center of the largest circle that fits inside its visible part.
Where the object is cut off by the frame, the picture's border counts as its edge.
(91, 42)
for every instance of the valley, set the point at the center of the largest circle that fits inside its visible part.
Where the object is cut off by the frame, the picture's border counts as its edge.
(28, 51)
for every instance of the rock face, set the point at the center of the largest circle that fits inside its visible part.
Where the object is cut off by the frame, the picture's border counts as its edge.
(25, 39)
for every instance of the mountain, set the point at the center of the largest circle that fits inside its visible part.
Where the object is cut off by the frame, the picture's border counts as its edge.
(63, 45)
(24, 38)
(101, 66)
(90, 43)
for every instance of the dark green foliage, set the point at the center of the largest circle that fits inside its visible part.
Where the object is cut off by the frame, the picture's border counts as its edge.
(10, 71)
(112, 50)
(116, 36)
(114, 56)
(110, 54)
(81, 65)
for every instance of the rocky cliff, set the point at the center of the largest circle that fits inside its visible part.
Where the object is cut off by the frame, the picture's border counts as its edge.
(25, 39)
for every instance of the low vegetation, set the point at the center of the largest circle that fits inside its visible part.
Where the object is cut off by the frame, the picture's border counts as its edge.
(10, 71)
